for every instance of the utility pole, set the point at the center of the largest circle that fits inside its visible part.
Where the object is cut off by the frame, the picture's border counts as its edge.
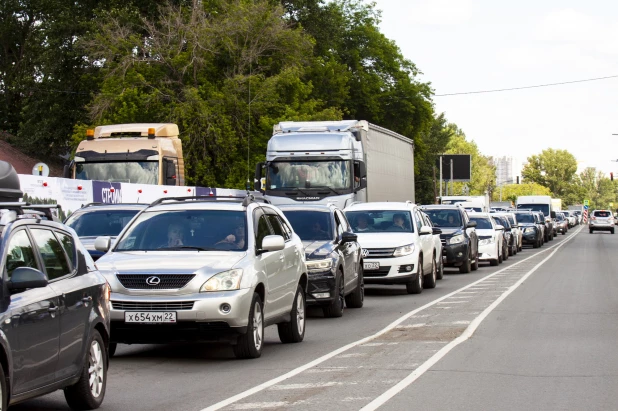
(451, 176)
(440, 179)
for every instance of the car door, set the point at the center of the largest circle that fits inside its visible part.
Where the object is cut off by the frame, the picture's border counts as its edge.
(271, 265)
(289, 267)
(349, 251)
(426, 242)
(34, 325)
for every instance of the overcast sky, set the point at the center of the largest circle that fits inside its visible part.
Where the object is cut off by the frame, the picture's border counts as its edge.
(470, 45)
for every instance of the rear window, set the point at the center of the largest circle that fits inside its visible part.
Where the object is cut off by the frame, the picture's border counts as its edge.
(602, 214)
(387, 221)
(100, 223)
(525, 218)
(482, 223)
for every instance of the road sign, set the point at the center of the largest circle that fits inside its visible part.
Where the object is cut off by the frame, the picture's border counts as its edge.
(586, 202)
(40, 169)
(585, 207)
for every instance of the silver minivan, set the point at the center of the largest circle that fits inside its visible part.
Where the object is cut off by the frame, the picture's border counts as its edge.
(200, 269)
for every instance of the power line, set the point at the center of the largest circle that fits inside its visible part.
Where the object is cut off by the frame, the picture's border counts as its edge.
(525, 87)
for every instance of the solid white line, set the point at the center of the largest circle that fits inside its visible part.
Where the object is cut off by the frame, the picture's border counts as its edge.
(382, 399)
(325, 357)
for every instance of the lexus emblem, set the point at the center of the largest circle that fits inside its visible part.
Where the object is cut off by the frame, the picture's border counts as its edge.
(154, 280)
(365, 252)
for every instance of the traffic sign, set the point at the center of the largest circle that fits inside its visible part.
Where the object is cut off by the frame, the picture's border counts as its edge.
(586, 202)
(585, 207)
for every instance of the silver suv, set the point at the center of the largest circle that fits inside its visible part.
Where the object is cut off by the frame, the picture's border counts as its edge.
(194, 268)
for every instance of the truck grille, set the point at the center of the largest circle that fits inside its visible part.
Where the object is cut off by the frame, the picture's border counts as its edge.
(152, 306)
(378, 252)
(163, 281)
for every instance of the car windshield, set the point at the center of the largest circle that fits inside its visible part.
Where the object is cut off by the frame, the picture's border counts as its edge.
(137, 172)
(385, 221)
(482, 223)
(311, 225)
(444, 218)
(203, 230)
(602, 214)
(560, 217)
(100, 223)
(544, 208)
(525, 218)
(307, 174)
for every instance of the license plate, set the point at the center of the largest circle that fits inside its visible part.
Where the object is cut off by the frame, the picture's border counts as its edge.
(150, 317)
(371, 266)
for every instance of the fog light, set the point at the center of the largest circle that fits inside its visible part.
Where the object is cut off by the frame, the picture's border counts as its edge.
(459, 254)
(321, 295)
(225, 308)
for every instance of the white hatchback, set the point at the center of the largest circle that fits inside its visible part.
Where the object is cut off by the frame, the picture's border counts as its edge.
(490, 238)
(398, 245)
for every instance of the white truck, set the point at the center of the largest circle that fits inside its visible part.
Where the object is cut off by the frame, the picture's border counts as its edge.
(477, 203)
(338, 162)
(556, 204)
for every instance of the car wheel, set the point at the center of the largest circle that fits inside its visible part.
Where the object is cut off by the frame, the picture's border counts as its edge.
(416, 285)
(294, 331)
(335, 308)
(612, 231)
(511, 251)
(590, 231)
(441, 270)
(475, 264)
(88, 392)
(430, 279)
(112, 349)
(466, 267)
(505, 253)
(249, 345)
(563, 233)
(500, 257)
(357, 297)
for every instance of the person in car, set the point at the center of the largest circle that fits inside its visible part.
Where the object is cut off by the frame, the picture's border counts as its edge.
(399, 222)
(317, 233)
(362, 224)
(174, 235)
(237, 239)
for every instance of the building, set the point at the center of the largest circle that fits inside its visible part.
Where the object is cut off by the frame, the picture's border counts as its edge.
(507, 170)
(23, 163)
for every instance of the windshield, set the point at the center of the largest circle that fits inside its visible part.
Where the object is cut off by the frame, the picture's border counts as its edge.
(544, 208)
(137, 172)
(307, 174)
(380, 221)
(560, 217)
(444, 218)
(100, 223)
(186, 230)
(525, 218)
(311, 225)
(482, 223)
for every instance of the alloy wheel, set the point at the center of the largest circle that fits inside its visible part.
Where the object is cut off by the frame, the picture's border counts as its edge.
(300, 313)
(96, 370)
(258, 329)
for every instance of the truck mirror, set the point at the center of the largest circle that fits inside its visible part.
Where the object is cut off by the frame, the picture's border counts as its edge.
(357, 135)
(363, 169)
(257, 183)
(363, 183)
(170, 172)
(66, 172)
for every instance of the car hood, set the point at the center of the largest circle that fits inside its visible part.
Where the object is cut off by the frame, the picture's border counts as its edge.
(318, 249)
(177, 262)
(384, 240)
(486, 232)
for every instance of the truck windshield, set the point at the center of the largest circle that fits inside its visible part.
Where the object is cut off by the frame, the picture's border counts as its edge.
(306, 174)
(544, 208)
(137, 172)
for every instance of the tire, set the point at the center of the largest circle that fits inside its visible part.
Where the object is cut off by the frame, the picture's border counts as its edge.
(500, 258)
(475, 264)
(4, 395)
(250, 344)
(335, 308)
(563, 233)
(294, 331)
(440, 274)
(112, 349)
(357, 297)
(81, 396)
(505, 253)
(612, 231)
(493, 263)
(416, 285)
(591, 231)
(466, 267)
(511, 251)
(430, 279)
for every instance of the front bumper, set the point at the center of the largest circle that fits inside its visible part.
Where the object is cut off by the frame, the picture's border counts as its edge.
(321, 283)
(395, 270)
(488, 252)
(454, 255)
(198, 316)
(529, 237)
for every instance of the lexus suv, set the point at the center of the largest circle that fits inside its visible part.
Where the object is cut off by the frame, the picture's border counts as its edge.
(459, 238)
(334, 259)
(54, 320)
(398, 245)
(206, 269)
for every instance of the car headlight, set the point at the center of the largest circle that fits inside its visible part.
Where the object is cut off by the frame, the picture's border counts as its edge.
(456, 239)
(486, 241)
(225, 281)
(318, 266)
(405, 250)
(529, 230)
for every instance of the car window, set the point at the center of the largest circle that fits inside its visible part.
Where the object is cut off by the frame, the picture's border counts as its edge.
(101, 222)
(69, 247)
(262, 231)
(54, 258)
(380, 221)
(311, 225)
(602, 214)
(274, 223)
(445, 218)
(287, 231)
(20, 253)
(482, 223)
(419, 222)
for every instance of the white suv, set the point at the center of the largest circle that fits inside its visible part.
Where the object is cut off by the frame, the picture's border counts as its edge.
(204, 270)
(398, 245)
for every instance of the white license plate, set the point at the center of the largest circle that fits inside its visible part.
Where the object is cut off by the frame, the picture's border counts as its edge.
(371, 266)
(150, 317)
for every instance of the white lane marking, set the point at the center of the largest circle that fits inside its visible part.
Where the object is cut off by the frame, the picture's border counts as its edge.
(261, 387)
(260, 405)
(352, 355)
(382, 399)
(307, 385)
(453, 302)
(454, 297)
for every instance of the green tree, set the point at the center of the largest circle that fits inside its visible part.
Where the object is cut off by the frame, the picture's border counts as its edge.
(435, 143)
(510, 192)
(596, 187)
(554, 169)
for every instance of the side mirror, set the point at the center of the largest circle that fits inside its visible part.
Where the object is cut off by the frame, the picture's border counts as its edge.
(471, 224)
(257, 182)
(425, 230)
(348, 237)
(363, 182)
(272, 243)
(436, 230)
(103, 244)
(26, 277)
(170, 172)
(500, 227)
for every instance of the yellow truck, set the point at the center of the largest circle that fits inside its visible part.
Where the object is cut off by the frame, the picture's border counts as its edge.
(141, 153)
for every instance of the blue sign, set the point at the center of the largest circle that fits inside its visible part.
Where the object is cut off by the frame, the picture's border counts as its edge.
(585, 207)
(104, 192)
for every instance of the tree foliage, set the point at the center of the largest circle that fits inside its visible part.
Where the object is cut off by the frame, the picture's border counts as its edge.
(554, 169)
(510, 192)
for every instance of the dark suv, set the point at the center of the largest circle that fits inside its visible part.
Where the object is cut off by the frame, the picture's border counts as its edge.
(334, 257)
(532, 232)
(54, 311)
(459, 240)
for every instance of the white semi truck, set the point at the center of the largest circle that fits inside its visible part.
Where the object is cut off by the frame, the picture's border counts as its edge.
(338, 162)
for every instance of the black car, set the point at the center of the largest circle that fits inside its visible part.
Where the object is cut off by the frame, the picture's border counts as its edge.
(460, 244)
(101, 220)
(531, 230)
(333, 256)
(54, 311)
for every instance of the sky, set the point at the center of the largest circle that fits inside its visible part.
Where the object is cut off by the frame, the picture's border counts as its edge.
(472, 45)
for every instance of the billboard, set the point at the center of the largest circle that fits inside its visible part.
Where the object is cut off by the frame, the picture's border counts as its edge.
(462, 166)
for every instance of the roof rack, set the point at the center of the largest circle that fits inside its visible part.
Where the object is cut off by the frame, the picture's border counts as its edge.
(246, 200)
(44, 209)
(110, 204)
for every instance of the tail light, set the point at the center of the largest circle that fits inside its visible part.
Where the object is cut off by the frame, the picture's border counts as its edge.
(593, 218)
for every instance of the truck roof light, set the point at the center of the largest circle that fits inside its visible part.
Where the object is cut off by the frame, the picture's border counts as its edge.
(90, 134)
(151, 132)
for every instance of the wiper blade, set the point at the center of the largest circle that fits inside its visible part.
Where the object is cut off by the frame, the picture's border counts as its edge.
(328, 188)
(295, 188)
(187, 247)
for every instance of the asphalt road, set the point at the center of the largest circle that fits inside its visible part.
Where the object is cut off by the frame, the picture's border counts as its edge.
(549, 344)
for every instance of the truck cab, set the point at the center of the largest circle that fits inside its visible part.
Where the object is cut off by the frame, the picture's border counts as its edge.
(144, 153)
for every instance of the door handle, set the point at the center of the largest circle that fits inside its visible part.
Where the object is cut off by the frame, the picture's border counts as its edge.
(281, 257)
(52, 309)
(87, 299)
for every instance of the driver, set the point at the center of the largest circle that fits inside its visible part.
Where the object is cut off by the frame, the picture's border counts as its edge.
(237, 239)
(362, 224)
(398, 222)
(317, 233)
